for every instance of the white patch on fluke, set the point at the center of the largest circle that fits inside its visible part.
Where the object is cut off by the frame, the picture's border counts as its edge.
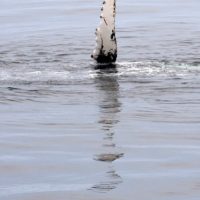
(106, 48)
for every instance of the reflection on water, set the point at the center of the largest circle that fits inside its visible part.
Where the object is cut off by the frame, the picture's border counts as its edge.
(112, 180)
(110, 106)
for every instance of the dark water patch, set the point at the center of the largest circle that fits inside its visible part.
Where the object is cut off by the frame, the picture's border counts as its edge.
(13, 88)
(41, 53)
(62, 55)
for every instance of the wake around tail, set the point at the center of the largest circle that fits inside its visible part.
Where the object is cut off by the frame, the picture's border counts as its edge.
(106, 43)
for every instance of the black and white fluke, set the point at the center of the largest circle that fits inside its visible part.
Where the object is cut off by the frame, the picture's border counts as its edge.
(106, 43)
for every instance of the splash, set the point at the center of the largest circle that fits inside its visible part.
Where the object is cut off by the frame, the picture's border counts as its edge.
(106, 43)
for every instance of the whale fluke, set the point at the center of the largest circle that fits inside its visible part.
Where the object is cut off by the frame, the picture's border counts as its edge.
(106, 43)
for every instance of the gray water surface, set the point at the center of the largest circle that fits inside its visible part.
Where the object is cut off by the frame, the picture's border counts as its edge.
(71, 131)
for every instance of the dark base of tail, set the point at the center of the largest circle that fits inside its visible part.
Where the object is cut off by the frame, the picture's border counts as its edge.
(106, 59)
(106, 66)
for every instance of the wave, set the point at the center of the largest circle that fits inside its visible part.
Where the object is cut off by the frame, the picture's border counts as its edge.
(71, 73)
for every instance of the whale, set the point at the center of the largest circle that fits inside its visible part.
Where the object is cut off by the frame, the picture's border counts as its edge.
(105, 51)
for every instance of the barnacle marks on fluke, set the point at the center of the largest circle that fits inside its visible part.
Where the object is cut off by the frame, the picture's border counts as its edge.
(106, 43)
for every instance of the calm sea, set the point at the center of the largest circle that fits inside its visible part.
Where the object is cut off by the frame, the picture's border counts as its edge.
(69, 131)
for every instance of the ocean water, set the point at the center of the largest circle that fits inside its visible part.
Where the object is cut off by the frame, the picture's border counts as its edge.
(69, 130)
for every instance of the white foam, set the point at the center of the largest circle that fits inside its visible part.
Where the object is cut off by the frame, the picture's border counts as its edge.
(151, 68)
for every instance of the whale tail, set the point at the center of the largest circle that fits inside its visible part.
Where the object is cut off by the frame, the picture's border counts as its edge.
(106, 43)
